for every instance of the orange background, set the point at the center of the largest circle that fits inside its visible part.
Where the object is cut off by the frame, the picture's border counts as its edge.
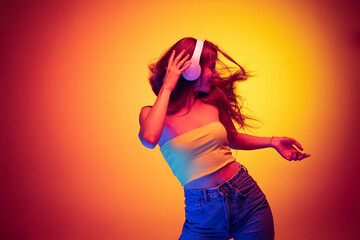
(74, 77)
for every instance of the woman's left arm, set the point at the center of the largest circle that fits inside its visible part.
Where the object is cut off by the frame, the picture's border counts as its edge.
(285, 146)
(242, 141)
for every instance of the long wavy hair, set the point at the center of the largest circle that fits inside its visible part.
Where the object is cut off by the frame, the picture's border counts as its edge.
(223, 88)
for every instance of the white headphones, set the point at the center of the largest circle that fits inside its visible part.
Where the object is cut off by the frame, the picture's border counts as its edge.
(193, 72)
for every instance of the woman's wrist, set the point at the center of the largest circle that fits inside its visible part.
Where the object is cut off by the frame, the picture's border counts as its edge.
(165, 89)
(271, 144)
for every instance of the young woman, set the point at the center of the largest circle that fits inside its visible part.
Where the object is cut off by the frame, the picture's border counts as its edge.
(192, 121)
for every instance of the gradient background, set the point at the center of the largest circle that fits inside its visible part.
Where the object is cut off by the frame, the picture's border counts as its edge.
(74, 77)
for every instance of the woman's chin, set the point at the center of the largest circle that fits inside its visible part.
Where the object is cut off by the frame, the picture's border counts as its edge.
(207, 90)
(203, 89)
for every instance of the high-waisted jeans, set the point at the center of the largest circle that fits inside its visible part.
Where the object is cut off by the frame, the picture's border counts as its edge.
(235, 209)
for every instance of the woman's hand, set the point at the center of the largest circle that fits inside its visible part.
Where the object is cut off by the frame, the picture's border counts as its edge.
(284, 146)
(174, 69)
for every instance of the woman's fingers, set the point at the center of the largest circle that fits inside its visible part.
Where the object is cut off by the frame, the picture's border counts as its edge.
(298, 145)
(185, 66)
(183, 60)
(177, 62)
(171, 59)
(178, 57)
(297, 156)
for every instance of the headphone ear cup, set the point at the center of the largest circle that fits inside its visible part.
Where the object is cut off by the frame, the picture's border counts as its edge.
(192, 72)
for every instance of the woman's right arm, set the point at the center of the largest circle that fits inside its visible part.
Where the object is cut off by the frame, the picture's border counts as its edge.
(152, 119)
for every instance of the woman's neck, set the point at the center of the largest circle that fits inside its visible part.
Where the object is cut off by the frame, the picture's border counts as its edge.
(184, 108)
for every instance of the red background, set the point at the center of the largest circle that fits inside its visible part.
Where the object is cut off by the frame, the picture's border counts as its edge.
(73, 79)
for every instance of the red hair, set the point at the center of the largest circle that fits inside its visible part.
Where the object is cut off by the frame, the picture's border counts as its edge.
(223, 90)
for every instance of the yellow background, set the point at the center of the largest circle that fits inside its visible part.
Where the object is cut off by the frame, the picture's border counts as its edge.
(74, 77)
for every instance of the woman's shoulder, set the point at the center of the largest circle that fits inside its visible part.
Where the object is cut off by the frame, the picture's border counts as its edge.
(144, 112)
(147, 107)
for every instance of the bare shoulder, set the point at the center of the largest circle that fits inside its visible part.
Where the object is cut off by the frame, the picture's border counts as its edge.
(146, 108)
(144, 112)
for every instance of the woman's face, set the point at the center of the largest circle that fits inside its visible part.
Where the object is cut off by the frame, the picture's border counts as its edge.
(202, 84)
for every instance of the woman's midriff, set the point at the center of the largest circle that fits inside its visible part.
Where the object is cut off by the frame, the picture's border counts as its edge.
(215, 179)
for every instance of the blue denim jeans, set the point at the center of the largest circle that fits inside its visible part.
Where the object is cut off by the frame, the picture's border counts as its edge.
(235, 209)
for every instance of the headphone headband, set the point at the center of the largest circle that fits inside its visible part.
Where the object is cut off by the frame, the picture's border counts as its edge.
(193, 72)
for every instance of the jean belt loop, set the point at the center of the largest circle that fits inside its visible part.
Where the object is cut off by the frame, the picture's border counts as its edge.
(230, 186)
(221, 190)
(205, 196)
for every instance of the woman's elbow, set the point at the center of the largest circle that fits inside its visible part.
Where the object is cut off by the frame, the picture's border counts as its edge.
(148, 141)
(232, 143)
(235, 146)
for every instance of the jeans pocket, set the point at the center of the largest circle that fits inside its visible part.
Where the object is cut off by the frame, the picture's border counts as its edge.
(193, 207)
(246, 187)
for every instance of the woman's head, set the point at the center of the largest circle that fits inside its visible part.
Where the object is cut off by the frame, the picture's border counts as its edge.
(183, 88)
(188, 90)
